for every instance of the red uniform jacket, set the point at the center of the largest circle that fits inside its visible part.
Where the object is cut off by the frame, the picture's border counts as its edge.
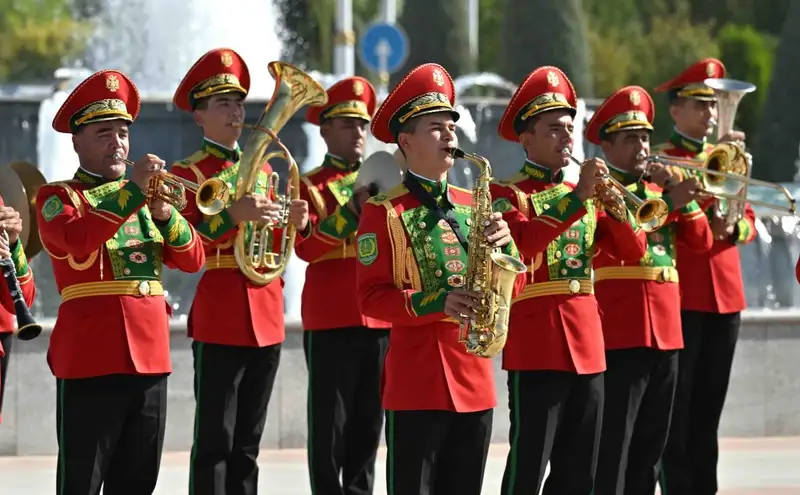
(228, 309)
(108, 254)
(330, 250)
(555, 323)
(797, 270)
(409, 260)
(8, 319)
(711, 281)
(640, 302)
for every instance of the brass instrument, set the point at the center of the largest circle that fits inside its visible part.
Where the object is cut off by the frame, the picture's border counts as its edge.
(293, 89)
(211, 196)
(650, 214)
(379, 173)
(18, 190)
(729, 93)
(489, 272)
(725, 174)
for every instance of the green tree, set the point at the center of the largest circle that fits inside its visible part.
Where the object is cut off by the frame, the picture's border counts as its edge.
(490, 26)
(776, 150)
(558, 38)
(37, 37)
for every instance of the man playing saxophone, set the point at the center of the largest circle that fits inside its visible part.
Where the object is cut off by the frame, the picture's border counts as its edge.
(108, 242)
(554, 354)
(640, 302)
(11, 223)
(412, 251)
(237, 326)
(712, 296)
(344, 349)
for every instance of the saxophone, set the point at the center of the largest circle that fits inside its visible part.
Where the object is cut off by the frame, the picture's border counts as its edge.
(489, 272)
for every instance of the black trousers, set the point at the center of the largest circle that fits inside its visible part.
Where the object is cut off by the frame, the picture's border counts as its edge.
(232, 388)
(555, 416)
(640, 387)
(110, 434)
(344, 415)
(689, 465)
(7, 341)
(436, 452)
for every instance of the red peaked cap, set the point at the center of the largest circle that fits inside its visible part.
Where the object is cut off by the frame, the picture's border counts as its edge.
(218, 71)
(105, 95)
(629, 108)
(545, 89)
(427, 89)
(351, 97)
(689, 83)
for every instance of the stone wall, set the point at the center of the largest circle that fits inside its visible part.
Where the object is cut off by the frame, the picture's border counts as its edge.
(764, 397)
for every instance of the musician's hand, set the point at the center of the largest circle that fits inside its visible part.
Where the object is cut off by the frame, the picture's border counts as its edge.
(461, 305)
(359, 199)
(5, 249)
(733, 137)
(684, 192)
(720, 229)
(11, 222)
(251, 208)
(145, 169)
(592, 175)
(663, 176)
(298, 214)
(496, 230)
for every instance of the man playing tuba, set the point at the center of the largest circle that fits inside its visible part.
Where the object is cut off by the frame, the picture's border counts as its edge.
(640, 303)
(412, 251)
(237, 326)
(554, 354)
(11, 223)
(108, 241)
(712, 296)
(344, 350)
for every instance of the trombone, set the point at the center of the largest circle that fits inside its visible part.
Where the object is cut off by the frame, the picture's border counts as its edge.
(211, 196)
(723, 175)
(650, 214)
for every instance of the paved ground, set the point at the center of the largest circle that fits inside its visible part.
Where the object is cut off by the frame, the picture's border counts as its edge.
(764, 466)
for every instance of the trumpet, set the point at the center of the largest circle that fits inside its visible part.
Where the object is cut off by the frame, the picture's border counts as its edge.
(211, 196)
(650, 214)
(724, 175)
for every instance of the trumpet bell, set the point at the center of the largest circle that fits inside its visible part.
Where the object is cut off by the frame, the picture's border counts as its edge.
(729, 163)
(212, 196)
(380, 172)
(652, 214)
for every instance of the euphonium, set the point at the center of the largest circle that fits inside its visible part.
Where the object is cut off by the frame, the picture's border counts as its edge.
(293, 89)
(489, 272)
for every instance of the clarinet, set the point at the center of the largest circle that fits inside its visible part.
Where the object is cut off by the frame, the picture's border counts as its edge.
(27, 328)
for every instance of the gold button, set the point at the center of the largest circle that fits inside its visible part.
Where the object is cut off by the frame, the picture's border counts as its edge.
(152, 233)
(469, 221)
(546, 206)
(558, 254)
(116, 236)
(126, 271)
(156, 270)
(144, 288)
(438, 273)
(574, 286)
(432, 256)
(421, 225)
(428, 239)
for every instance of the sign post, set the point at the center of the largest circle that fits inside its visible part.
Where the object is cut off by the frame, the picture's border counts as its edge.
(383, 48)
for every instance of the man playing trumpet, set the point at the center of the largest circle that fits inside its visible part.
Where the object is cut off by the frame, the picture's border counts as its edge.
(237, 327)
(344, 350)
(712, 296)
(554, 354)
(108, 242)
(11, 247)
(640, 302)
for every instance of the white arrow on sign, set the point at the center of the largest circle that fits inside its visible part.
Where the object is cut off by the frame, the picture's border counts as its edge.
(383, 50)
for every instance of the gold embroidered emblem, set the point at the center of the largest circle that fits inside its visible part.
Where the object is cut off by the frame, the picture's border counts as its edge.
(358, 88)
(710, 69)
(438, 77)
(226, 58)
(112, 83)
(635, 97)
(552, 78)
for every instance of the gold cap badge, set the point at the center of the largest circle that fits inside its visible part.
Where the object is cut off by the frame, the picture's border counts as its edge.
(710, 69)
(552, 78)
(438, 77)
(226, 58)
(112, 83)
(635, 97)
(358, 88)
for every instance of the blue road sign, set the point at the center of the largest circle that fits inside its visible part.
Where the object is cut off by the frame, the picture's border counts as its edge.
(383, 47)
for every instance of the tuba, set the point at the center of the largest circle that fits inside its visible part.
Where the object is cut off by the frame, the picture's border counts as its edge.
(729, 94)
(293, 89)
(18, 190)
(489, 272)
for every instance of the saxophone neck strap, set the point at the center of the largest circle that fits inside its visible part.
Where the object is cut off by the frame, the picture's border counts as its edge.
(415, 188)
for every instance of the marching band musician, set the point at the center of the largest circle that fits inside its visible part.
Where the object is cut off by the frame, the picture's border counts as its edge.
(344, 350)
(108, 241)
(640, 304)
(237, 326)
(712, 297)
(412, 253)
(554, 353)
(11, 223)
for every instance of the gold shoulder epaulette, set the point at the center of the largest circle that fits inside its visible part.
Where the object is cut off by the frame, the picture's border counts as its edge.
(662, 147)
(191, 160)
(514, 179)
(389, 195)
(312, 172)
